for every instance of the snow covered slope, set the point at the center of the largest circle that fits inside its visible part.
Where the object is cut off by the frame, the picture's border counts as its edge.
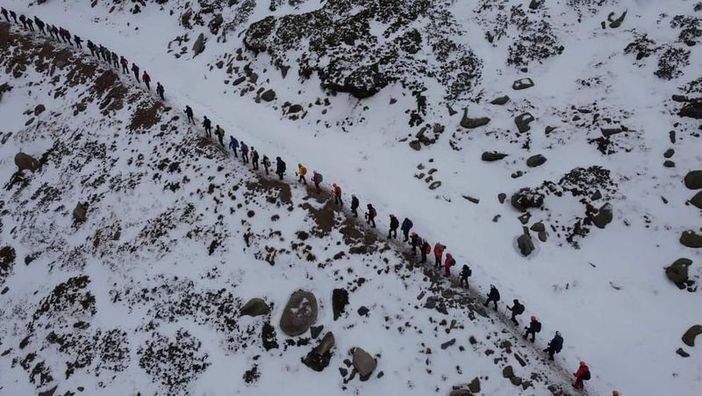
(607, 91)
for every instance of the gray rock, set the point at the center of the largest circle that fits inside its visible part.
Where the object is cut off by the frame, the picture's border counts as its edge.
(538, 227)
(448, 343)
(364, 363)
(697, 200)
(501, 197)
(677, 272)
(525, 243)
(682, 353)
(268, 95)
(299, 314)
(523, 120)
(550, 129)
(80, 212)
(525, 198)
(199, 45)
(669, 153)
(255, 307)
(501, 100)
(615, 23)
(490, 156)
(692, 110)
(340, 298)
(669, 164)
(296, 108)
(604, 216)
(543, 236)
(470, 123)
(415, 144)
(691, 239)
(693, 179)
(523, 83)
(474, 385)
(318, 358)
(26, 162)
(535, 160)
(508, 372)
(461, 392)
(689, 337)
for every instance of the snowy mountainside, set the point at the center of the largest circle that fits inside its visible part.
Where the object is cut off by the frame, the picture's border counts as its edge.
(607, 135)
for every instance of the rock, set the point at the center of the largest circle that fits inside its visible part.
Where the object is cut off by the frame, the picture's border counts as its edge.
(215, 23)
(318, 358)
(508, 372)
(315, 331)
(434, 185)
(524, 218)
(517, 174)
(26, 162)
(523, 83)
(448, 343)
(255, 307)
(689, 337)
(543, 236)
(501, 197)
(525, 198)
(39, 109)
(669, 153)
(490, 156)
(415, 144)
(538, 227)
(535, 4)
(48, 392)
(199, 45)
(525, 243)
(80, 212)
(550, 129)
(615, 23)
(363, 310)
(535, 160)
(474, 385)
(296, 108)
(692, 110)
(523, 120)
(340, 298)
(697, 200)
(268, 95)
(470, 123)
(299, 314)
(364, 363)
(501, 100)
(693, 179)
(604, 216)
(239, 80)
(516, 381)
(669, 164)
(677, 272)
(682, 353)
(268, 337)
(461, 392)
(691, 239)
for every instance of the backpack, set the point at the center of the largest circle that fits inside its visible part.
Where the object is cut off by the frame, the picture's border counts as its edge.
(558, 343)
(537, 326)
(372, 212)
(518, 309)
(587, 375)
(319, 177)
(466, 272)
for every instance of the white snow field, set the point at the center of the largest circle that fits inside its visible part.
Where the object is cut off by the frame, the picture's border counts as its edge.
(605, 289)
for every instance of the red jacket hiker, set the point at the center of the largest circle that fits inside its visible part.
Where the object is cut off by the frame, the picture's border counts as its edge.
(448, 263)
(317, 180)
(438, 252)
(583, 373)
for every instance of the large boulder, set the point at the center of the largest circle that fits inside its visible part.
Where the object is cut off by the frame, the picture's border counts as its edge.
(697, 200)
(80, 212)
(299, 314)
(26, 162)
(364, 363)
(691, 239)
(692, 110)
(340, 298)
(677, 272)
(535, 160)
(525, 243)
(199, 45)
(255, 307)
(319, 357)
(693, 180)
(604, 216)
(490, 156)
(268, 95)
(523, 83)
(527, 198)
(689, 336)
(470, 123)
(523, 120)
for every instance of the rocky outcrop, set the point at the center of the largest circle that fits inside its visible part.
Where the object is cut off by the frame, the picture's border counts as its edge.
(363, 363)
(677, 272)
(80, 212)
(299, 314)
(340, 298)
(693, 180)
(26, 162)
(692, 110)
(199, 45)
(255, 307)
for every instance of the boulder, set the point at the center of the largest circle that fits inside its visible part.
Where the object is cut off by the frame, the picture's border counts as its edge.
(604, 216)
(26, 162)
(682, 352)
(461, 392)
(691, 239)
(508, 372)
(689, 337)
(522, 83)
(692, 110)
(669, 164)
(669, 153)
(543, 236)
(501, 197)
(296, 108)
(677, 272)
(255, 307)
(525, 198)
(470, 123)
(500, 101)
(535, 160)
(340, 298)
(523, 120)
(80, 213)
(299, 314)
(474, 385)
(697, 200)
(268, 95)
(199, 45)
(415, 144)
(693, 179)
(319, 357)
(525, 243)
(538, 227)
(490, 156)
(364, 363)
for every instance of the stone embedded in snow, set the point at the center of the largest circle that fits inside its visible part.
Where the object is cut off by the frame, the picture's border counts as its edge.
(80, 212)
(693, 179)
(501, 100)
(448, 343)
(689, 337)
(340, 298)
(508, 372)
(543, 236)
(364, 363)
(415, 144)
(26, 162)
(501, 197)
(525, 243)
(535, 160)
(299, 314)
(525, 198)
(199, 45)
(697, 200)
(268, 95)
(523, 120)
(255, 307)
(604, 216)
(615, 23)
(669, 164)
(318, 358)
(682, 353)
(692, 110)
(474, 385)
(669, 153)
(490, 156)
(677, 272)
(461, 392)
(470, 123)
(523, 83)
(691, 239)
(39, 109)
(296, 108)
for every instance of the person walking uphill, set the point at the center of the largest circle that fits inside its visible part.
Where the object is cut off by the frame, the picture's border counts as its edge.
(125, 65)
(370, 215)
(233, 145)
(160, 90)
(244, 152)
(465, 273)
(135, 69)
(317, 180)
(517, 309)
(415, 243)
(302, 172)
(533, 328)
(220, 134)
(266, 163)
(254, 158)
(336, 190)
(279, 167)
(207, 124)
(394, 223)
(406, 227)
(493, 295)
(425, 249)
(147, 80)
(4, 13)
(189, 113)
(438, 253)
(448, 263)
(583, 374)
(40, 25)
(354, 205)
(554, 346)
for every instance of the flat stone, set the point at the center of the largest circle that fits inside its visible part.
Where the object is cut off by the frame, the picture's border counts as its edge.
(255, 307)
(522, 83)
(500, 100)
(490, 156)
(691, 239)
(689, 337)
(535, 160)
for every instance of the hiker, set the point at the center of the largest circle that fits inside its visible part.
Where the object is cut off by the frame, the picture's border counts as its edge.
(448, 263)
(244, 152)
(414, 242)
(554, 346)
(208, 126)
(78, 41)
(336, 190)
(68, 36)
(583, 374)
(517, 309)
(317, 180)
(4, 13)
(254, 158)
(147, 80)
(354, 205)
(394, 223)
(438, 252)
(465, 273)
(425, 249)
(266, 163)
(533, 328)
(30, 23)
(220, 134)
(370, 215)
(115, 60)
(40, 25)
(233, 145)
(52, 31)
(189, 113)
(91, 47)
(135, 69)
(159, 90)
(493, 295)
(14, 16)
(279, 167)
(23, 19)
(301, 172)
(406, 227)
(125, 64)
(615, 393)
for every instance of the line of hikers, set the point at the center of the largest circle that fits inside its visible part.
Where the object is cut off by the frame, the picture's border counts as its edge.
(99, 51)
(250, 155)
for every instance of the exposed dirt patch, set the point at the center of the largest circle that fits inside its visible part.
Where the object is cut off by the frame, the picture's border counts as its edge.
(281, 189)
(147, 115)
(323, 217)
